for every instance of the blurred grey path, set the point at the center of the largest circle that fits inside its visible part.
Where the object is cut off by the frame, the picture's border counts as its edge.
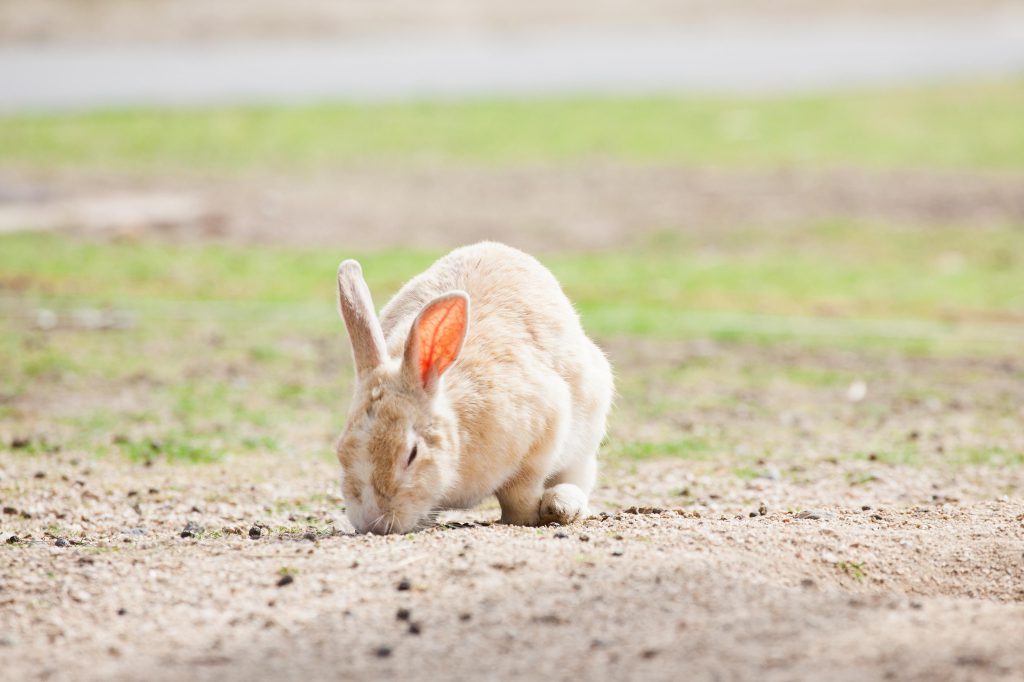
(753, 56)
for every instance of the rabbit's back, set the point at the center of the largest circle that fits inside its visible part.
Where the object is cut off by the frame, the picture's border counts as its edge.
(517, 305)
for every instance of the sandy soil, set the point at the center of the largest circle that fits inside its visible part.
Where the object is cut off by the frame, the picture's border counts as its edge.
(727, 566)
(920, 580)
(595, 206)
(197, 20)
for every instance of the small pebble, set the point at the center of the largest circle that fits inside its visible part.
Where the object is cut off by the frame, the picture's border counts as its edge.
(255, 532)
(404, 585)
(415, 628)
(122, 611)
(762, 509)
(403, 614)
(753, 514)
(465, 616)
(617, 552)
(191, 530)
(13, 540)
(286, 579)
(61, 542)
(309, 536)
(382, 651)
(561, 535)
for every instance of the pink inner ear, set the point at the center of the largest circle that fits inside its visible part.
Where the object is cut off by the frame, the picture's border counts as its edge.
(439, 334)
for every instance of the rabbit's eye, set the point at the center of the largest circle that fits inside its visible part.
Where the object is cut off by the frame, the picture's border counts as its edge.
(412, 456)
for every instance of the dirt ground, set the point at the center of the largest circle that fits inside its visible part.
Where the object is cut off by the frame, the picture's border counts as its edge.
(100, 21)
(797, 563)
(600, 205)
(920, 579)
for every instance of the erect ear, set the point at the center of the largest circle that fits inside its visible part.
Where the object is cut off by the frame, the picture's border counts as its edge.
(356, 307)
(436, 338)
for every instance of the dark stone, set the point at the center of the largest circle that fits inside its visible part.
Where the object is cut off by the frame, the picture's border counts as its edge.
(286, 579)
(191, 530)
(404, 585)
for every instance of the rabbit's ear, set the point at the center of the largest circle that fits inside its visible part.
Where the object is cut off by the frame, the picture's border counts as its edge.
(356, 307)
(436, 338)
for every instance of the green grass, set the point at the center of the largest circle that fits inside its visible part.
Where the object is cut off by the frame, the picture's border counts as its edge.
(952, 126)
(691, 448)
(845, 284)
(964, 456)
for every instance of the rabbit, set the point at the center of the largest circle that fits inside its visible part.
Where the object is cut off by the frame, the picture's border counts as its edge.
(476, 380)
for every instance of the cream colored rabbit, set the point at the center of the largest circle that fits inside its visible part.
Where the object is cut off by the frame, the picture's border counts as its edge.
(477, 380)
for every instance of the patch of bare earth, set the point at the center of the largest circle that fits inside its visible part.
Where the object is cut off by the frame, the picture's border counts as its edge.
(776, 580)
(536, 207)
(779, 556)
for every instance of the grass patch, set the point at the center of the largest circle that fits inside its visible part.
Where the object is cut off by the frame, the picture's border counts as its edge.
(953, 126)
(183, 448)
(854, 569)
(680, 448)
(852, 285)
(747, 473)
(988, 455)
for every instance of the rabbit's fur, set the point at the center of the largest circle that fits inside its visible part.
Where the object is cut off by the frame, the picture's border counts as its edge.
(481, 365)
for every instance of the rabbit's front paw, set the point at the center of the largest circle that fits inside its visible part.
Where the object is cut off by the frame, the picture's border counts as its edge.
(564, 503)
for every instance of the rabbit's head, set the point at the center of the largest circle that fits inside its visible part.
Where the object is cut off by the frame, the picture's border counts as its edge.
(399, 450)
